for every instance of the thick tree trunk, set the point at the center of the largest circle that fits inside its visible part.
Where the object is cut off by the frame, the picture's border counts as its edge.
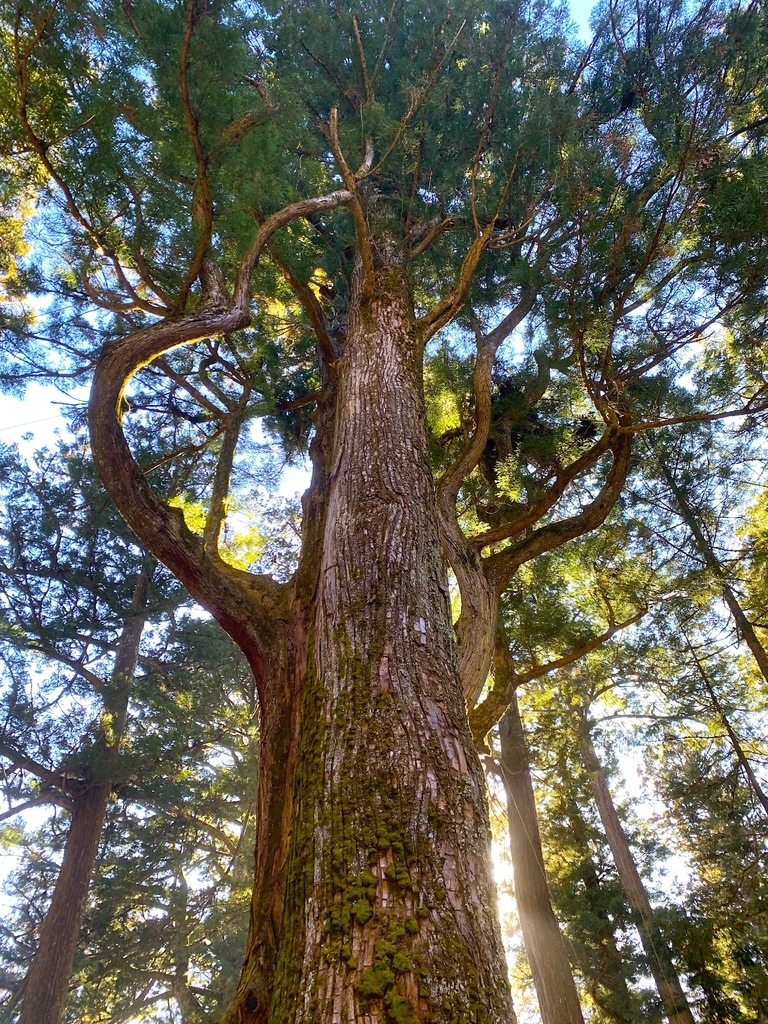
(656, 949)
(47, 981)
(388, 908)
(555, 988)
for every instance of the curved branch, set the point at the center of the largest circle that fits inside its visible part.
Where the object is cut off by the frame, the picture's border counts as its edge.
(228, 593)
(532, 516)
(483, 718)
(502, 566)
(487, 347)
(302, 208)
(477, 622)
(312, 308)
(447, 308)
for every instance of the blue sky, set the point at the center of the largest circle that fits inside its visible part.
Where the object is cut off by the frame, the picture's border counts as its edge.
(581, 9)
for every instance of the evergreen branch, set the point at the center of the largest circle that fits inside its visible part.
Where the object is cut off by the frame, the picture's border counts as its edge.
(46, 797)
(488, 122)
(361, 228)
(418, 101)
(506, 680)
(245, 123)
(750, 409)
(433, 230)
(182, 382)
(41, 647)
(487, 347)
(387, 37)
(41, 150)
(363, 64)
(534, 513)
(445, 310)
(187, 450)
(217, 509)
(312, 308)
(202, 202)
(502, 566)
(19, 760)
(302, 208)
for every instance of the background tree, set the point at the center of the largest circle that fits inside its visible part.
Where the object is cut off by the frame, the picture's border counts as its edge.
(91, 709)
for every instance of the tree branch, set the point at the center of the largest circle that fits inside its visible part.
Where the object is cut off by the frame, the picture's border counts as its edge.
(361, 228)
(217, 509)
(502, 566)
(506, 680)
(47, 797)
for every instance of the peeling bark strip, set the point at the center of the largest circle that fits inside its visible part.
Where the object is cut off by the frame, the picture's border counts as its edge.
(390, 905)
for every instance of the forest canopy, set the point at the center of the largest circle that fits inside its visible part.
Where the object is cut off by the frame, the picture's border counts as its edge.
(498, 293)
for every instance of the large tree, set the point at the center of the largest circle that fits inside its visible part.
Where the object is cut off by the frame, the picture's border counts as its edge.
(375, 213)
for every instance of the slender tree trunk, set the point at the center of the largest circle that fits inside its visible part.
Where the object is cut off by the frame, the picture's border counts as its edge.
(178, 914)
(49, 975)
(387, 900)
(704, 547)
(656, 949)
(606, 983)
(555, 988)
(738, 750)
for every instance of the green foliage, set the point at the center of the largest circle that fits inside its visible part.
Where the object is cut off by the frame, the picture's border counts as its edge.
(171, 885)
(624, 190)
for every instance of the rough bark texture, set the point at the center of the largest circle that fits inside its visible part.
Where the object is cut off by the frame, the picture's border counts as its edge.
(390, 907)
(47, 981)
(656, 949)
(373, 898)
(552, 977)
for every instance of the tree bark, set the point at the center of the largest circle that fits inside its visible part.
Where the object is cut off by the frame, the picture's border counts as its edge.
(373, 899)
(552, 977)
(48, 978)
(656, 949)
(390, 906)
